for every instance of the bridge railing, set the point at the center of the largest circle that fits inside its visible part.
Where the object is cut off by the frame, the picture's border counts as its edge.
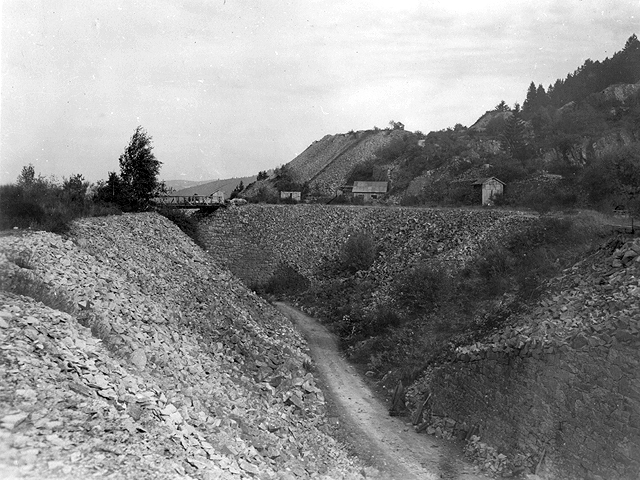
(187, 200)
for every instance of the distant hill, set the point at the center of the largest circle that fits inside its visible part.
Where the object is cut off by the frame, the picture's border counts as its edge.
(226, 185)
(181, 184)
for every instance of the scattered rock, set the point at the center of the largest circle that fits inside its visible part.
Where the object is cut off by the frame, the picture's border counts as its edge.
(135, 366)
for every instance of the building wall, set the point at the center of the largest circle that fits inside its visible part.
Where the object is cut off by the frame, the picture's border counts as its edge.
(490, 189)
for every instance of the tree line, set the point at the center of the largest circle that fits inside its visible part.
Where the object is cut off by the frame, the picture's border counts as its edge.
(34, 201)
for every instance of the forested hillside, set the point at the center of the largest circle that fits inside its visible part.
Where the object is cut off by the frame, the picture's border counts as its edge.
(574, 144)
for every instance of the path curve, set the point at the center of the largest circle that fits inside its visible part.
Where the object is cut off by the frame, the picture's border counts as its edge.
(389, 443)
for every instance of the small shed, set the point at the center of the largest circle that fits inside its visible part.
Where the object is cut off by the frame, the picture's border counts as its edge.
(295, 196)
(369, 190)
(490, 187)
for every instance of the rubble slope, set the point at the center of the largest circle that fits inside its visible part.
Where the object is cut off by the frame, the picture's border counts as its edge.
(155, 362)
(326, 163)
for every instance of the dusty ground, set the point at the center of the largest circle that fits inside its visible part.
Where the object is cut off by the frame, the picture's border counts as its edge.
(389, 443)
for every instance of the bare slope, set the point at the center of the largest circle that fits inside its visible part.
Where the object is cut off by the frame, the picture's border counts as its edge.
(181, 373)
(327, 162)
(225, 185)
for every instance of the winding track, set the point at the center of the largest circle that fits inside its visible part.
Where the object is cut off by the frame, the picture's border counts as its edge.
(390, 444)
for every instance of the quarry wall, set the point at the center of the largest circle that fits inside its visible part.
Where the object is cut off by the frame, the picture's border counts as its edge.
(574, 412)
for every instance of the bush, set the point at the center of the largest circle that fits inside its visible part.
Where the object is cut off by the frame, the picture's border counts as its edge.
(358, 253)
(285, 280)
(417, 291)
(383, 319)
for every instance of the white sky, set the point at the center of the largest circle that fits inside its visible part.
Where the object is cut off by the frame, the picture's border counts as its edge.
(230, 87)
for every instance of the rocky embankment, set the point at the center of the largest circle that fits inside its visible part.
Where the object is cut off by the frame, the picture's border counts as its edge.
(251, 240)
(154, 362)
(557, 391)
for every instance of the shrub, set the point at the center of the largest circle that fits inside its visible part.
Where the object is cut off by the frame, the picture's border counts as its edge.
(383, 319)
(358, 253)
(417, 290)
(285, 280)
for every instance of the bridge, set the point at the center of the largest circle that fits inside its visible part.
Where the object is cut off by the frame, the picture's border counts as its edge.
(210, 203)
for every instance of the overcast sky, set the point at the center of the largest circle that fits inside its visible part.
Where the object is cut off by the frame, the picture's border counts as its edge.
(230, 87)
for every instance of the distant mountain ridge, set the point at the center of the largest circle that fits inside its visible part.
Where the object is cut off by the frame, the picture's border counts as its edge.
(227, 185)
(181, 184)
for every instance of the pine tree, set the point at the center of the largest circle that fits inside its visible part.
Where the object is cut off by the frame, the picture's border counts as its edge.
(512, 137)
(530, 102)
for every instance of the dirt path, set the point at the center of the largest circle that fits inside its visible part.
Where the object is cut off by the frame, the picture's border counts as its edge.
(389, 443)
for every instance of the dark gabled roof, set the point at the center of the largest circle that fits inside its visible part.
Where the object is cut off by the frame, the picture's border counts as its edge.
(369, 187)
(482, 181)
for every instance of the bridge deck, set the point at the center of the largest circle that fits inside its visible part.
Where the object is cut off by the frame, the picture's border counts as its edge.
(189, 201)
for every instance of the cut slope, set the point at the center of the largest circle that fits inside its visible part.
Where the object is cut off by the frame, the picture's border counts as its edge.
(191, 376)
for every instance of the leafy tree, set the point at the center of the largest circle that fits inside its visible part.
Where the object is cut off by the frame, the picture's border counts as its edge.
(396, 125)
(262, 175)
(75, 188)
(139, 171)
(111, 190)
(285, 181)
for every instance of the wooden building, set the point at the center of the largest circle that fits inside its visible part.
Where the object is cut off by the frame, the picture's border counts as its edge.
(490, 187)
(367, 191)
(295, 196)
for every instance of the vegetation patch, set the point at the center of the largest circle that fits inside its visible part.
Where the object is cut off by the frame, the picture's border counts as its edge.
(285, 281)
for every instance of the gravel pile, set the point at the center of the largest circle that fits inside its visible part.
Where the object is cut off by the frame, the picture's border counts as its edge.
(163, 366)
